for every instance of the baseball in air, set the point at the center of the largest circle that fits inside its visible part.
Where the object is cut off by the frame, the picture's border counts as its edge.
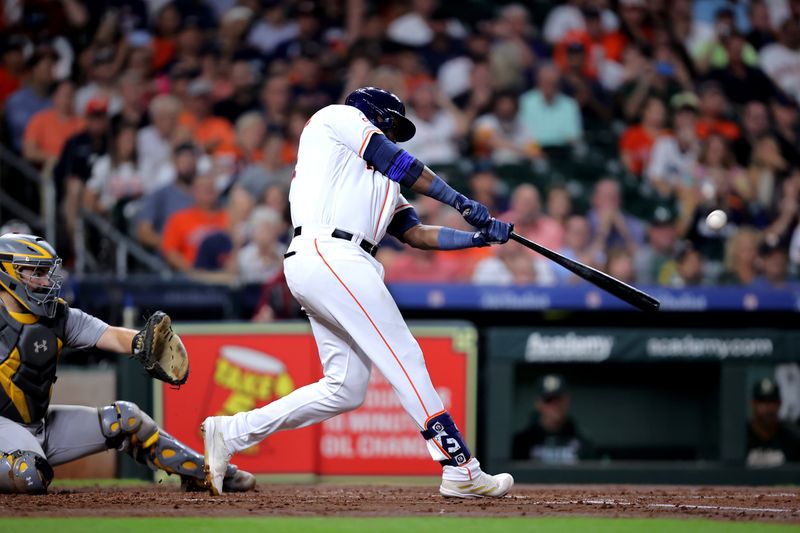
(717, 219)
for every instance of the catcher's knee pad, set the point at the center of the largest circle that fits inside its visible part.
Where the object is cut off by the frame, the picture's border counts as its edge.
(24, 472)
(123, 422)
(443, 433)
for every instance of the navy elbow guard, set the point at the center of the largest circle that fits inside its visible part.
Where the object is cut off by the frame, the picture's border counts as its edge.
(392, 161)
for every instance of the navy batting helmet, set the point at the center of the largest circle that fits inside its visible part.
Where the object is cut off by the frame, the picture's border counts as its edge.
(29, 271)
(383, 109)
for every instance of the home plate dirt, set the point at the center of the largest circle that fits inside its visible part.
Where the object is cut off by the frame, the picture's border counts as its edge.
(759, 504)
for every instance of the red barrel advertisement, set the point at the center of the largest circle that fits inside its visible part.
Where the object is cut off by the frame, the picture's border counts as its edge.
(242, 367)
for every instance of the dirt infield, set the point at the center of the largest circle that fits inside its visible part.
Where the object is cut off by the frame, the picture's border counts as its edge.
(722, 503)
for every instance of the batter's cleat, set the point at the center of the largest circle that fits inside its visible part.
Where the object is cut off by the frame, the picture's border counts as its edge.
(483, 485)
(217, 455)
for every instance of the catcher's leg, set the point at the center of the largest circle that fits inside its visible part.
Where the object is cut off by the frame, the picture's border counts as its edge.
(129, 429)
(23, 466)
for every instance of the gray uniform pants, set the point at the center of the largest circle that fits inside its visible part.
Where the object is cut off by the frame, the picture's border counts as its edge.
(68, 432)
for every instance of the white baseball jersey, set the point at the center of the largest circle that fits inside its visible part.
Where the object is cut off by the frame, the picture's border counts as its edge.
(355, 321)
(333, 185)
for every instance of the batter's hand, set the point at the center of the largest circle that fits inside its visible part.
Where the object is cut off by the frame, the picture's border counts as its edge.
(496, 232)
(475, 213)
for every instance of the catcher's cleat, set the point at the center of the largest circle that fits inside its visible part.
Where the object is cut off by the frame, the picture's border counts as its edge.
(217, 455)
(483, 485)
(235, 481)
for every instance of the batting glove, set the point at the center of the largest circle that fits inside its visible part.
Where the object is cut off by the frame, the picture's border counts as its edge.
(495, 232)
(474, 212)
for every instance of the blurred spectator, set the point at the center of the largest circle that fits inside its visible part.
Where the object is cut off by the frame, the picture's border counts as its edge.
(530, 221)
(185, 230)
(250, 133)
(232, 41)
(712, 110)
(273, 28)
(673, 156)
(440, 125)
(133, 112)
(637, 141)
(761, 32)
(741, 82)
(594, 52)
(552, 117)
(154, 143)
(515, 50)
(162, 203)
(714, 53)
(770, 442)
(261, 260)
(781, 60)
(578, 245)
(688, 267)
(741, 254)
(275, 102)
(773, 259)
(415, 265)
(276, 302)
(513, 265)
(415, 27)
(501, 137)
(309, 36)
(167, 24)
(102, 82)
(12, 65)
(74, 167)
(620, 265)
(787, 127)
(559, 204)
(49, 130)
(310, 89)
(583, 86)
(767, 166)
(654, 261)
(485, 187)
(243, 99)
(755, 124)
(189, 41)
(645, 79)
(552, 436)
(611, 226)
(214, 134)
(568, 16)
(116, 179)
(32, 97)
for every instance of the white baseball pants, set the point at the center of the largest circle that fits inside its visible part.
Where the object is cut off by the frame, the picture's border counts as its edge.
(356, 324)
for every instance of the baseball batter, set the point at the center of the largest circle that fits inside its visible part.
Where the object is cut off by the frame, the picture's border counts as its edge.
(344, 197)
(35, 436)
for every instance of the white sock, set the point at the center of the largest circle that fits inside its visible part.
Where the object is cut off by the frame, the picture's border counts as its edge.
(466, 472)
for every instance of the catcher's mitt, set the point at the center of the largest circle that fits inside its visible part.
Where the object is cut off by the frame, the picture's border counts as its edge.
(161, 351)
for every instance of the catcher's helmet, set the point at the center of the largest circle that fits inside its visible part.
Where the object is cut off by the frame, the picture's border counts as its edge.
(383, 109)
(29, 271)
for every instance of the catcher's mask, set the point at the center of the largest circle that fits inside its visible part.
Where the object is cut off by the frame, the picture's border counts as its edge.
(29, 271)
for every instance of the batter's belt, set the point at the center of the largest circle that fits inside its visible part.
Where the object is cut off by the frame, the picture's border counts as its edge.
(365, 245)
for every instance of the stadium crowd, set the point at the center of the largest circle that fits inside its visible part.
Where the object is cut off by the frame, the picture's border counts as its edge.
(606, 130)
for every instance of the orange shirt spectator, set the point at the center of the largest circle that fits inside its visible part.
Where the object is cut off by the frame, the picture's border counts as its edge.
(49, 130)
(725, 128)
(637, 141)
(214, 134)
(186, 229)
(635, 146)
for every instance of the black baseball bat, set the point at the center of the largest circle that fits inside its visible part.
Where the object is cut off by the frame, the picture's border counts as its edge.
(612, 285)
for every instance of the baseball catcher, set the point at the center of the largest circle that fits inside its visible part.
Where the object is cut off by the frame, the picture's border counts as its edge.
(35, 324)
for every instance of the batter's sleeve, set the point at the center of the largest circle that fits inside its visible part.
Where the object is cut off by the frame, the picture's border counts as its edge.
(83, 330)
(403, 219)
(351, 127)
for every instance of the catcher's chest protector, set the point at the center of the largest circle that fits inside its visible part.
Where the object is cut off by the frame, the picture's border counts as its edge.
(28, 358)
